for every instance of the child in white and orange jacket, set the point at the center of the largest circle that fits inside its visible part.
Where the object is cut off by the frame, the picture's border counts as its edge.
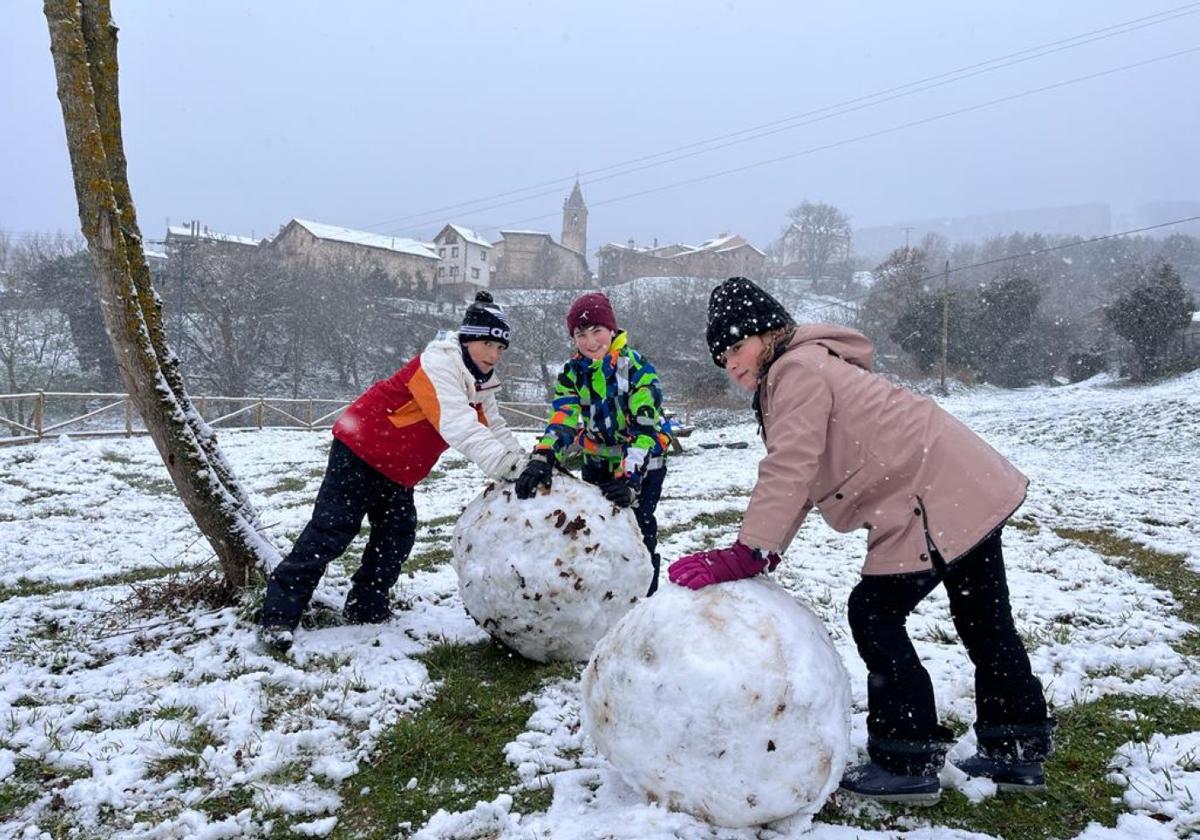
(385, 443)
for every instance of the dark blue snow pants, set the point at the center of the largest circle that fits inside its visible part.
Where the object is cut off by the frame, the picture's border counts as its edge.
(351, 490)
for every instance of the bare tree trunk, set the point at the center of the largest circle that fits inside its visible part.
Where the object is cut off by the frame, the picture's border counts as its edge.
(100, 44)
(83, 44)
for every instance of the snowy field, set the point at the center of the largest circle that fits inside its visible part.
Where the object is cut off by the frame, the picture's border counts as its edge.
(118, 724)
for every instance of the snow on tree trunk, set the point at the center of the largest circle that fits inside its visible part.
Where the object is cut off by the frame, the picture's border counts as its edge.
(549, 576)
(729, 703)
(83, 44)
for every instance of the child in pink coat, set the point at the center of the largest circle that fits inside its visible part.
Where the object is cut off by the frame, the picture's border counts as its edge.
(933, 498)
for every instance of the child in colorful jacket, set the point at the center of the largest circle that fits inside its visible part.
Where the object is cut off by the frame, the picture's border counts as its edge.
(384, 444)
(609, 401)
(933, 498)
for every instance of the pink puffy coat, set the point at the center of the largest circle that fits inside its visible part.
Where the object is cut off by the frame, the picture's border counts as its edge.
(869, 454)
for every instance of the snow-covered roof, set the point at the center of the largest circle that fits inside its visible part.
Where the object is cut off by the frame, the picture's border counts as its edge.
(524, 232)
(210, 235)
(719, 245)
(723, 244)
(1196, 316)
(371, 240)
(470, 236)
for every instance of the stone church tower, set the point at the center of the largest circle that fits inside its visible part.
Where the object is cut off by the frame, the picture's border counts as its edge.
(574, 222)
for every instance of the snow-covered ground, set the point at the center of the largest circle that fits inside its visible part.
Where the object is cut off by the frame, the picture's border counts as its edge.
(121, 711)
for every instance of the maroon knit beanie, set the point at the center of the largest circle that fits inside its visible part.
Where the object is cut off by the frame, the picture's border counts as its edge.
(591, 310)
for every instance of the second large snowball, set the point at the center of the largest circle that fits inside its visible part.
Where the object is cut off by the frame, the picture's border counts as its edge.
(549, 576)
(729, 703)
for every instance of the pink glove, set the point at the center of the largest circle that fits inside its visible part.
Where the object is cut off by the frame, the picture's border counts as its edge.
(696, 571)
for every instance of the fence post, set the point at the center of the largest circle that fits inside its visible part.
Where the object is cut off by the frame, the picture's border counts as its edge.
(39, 412)
(308, 417)
(203, 406)
(261, 403)
(128, 416)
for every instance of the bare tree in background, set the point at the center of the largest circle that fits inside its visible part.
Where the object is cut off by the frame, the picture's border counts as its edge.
(350, 295)
(540, 344)
(235, 322)
(817, 238)
(83, 42)
(35, 345)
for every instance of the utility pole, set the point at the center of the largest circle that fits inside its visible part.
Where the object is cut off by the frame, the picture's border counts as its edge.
(945, 322)
(907, 231)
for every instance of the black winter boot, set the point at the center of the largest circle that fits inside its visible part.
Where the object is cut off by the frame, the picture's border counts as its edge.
(276, 638)
(366, 609)
(871, 781)
(1008, 775)
(901, 769)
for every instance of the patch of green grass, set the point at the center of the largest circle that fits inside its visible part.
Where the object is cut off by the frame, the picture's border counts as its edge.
(1166, 571)
(453, 746)
(228, 803)
(1022, 523)
(116, 457)
(426, 560)
(715, 519)
(150, 484)
(31, 778)
(25, 588)
(32, 493)
(187, 758)
(1078, 791)
(291, 484)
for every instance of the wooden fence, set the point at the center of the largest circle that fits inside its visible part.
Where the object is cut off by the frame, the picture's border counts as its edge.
(38, 415)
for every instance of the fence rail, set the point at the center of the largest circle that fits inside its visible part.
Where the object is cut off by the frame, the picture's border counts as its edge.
(37, 415)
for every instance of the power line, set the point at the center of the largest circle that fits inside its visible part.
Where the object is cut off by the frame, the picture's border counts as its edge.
(873, 134)
(829, 111)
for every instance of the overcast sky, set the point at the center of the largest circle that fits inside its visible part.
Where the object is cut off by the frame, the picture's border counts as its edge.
(376, 115)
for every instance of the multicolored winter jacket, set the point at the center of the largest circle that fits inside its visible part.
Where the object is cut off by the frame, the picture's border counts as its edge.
(609, 406)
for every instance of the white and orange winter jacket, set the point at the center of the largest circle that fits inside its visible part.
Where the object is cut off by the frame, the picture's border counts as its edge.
(401, 425)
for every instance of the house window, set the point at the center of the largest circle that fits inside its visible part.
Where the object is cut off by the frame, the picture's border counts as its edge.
(453, 271)
(454, 251)
(441, 252)
(474, 273)
(483, 256)
(441, 271)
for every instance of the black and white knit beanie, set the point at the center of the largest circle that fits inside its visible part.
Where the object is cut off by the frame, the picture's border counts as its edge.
(738, 309)
(484, 321)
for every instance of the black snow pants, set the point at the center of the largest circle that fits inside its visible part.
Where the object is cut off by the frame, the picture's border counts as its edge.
(904, 735)
(351, 490)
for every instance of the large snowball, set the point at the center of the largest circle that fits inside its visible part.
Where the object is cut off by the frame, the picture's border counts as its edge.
(729, 703)
(549, 576)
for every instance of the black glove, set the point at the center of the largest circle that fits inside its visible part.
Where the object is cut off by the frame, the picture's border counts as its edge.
(620, 492)
(536, 473)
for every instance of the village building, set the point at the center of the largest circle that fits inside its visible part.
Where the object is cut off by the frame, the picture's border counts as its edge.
(191, 236)
(465, 263)
(531, 259)
(725, 256)
(412, 265)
